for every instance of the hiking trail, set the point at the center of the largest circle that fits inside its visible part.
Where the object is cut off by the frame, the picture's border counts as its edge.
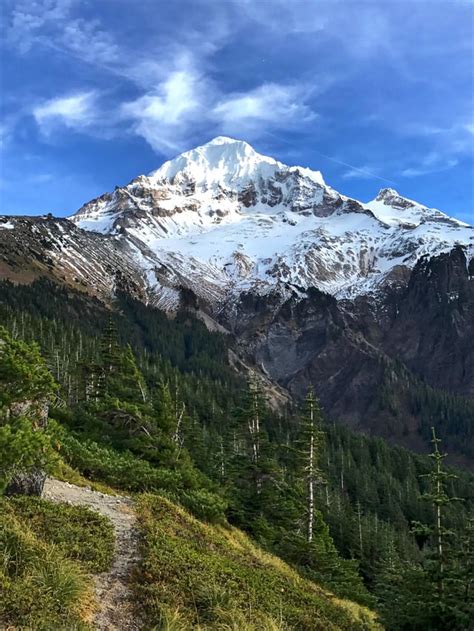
(112, 588)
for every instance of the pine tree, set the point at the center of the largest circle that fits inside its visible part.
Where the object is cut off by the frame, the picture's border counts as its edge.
(26, 389)
(439, 499)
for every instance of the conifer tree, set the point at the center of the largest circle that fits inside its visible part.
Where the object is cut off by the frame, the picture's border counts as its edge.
(439, 499)
(26, 389)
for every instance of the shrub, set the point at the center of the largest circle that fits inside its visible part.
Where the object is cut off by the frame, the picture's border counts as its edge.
(204, 505)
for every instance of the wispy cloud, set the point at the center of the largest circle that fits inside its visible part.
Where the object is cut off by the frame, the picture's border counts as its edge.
(364, 172)
(178, 96)
(354, 172)
(87, 40)
(6, 131)
(269, 103)
(30, 19)
(163, 117)
(75, 111)
(433, 162)
(187, 102)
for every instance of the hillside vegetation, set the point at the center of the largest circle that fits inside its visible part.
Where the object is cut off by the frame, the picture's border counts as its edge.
(204, 576)
(131, 400)
(48, 553)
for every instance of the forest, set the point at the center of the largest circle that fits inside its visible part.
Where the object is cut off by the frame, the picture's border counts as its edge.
(148, 404)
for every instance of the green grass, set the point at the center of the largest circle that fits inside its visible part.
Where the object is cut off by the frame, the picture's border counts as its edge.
(79, 533)
(46, 553)
(203, 576)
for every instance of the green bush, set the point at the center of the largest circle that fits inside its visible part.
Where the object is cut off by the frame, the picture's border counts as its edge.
(204, 505)
(122, 470)
(22, 447)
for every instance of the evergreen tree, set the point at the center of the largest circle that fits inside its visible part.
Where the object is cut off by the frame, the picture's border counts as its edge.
(26, 389)
(439, 499)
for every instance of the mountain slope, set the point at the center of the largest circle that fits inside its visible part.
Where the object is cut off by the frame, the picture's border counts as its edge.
(230, 220)
(312, 286)
(39, 247)
(206, 576)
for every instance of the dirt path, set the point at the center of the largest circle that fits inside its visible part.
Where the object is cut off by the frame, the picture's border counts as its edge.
(112, 589)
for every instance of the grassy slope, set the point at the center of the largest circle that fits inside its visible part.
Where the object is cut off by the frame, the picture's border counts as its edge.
(194, 575)
(203, 576)
(47, 552)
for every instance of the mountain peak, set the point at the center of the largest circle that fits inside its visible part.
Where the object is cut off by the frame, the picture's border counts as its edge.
(225, 140)
(226, 162)
(387, 194)
(222, 161)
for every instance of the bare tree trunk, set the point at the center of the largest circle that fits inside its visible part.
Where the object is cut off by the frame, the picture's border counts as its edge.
(222, 459)
(311, 475)
(439, 535)
(359, 521)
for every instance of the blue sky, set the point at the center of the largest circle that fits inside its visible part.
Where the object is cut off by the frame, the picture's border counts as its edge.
(373, 94)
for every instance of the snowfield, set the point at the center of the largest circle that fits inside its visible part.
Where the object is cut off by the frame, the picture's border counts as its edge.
(222, 219)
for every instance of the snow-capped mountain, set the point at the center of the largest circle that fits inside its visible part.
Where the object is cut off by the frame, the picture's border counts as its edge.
(355, 299)
(223, 219)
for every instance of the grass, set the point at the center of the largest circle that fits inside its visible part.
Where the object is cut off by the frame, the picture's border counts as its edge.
(46, 554)
(203, 576)
(79, 533)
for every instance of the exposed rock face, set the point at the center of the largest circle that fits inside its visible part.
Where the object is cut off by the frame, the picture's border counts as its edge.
(311, 341)
(432, 331)
(349, 351)
(55, 248)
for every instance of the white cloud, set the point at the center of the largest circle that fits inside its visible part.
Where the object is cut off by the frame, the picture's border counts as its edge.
(177, 97)
(30, 18)
(268, 105)
(164, 116)
(86, 40)
(186, 102)
(75, 111)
